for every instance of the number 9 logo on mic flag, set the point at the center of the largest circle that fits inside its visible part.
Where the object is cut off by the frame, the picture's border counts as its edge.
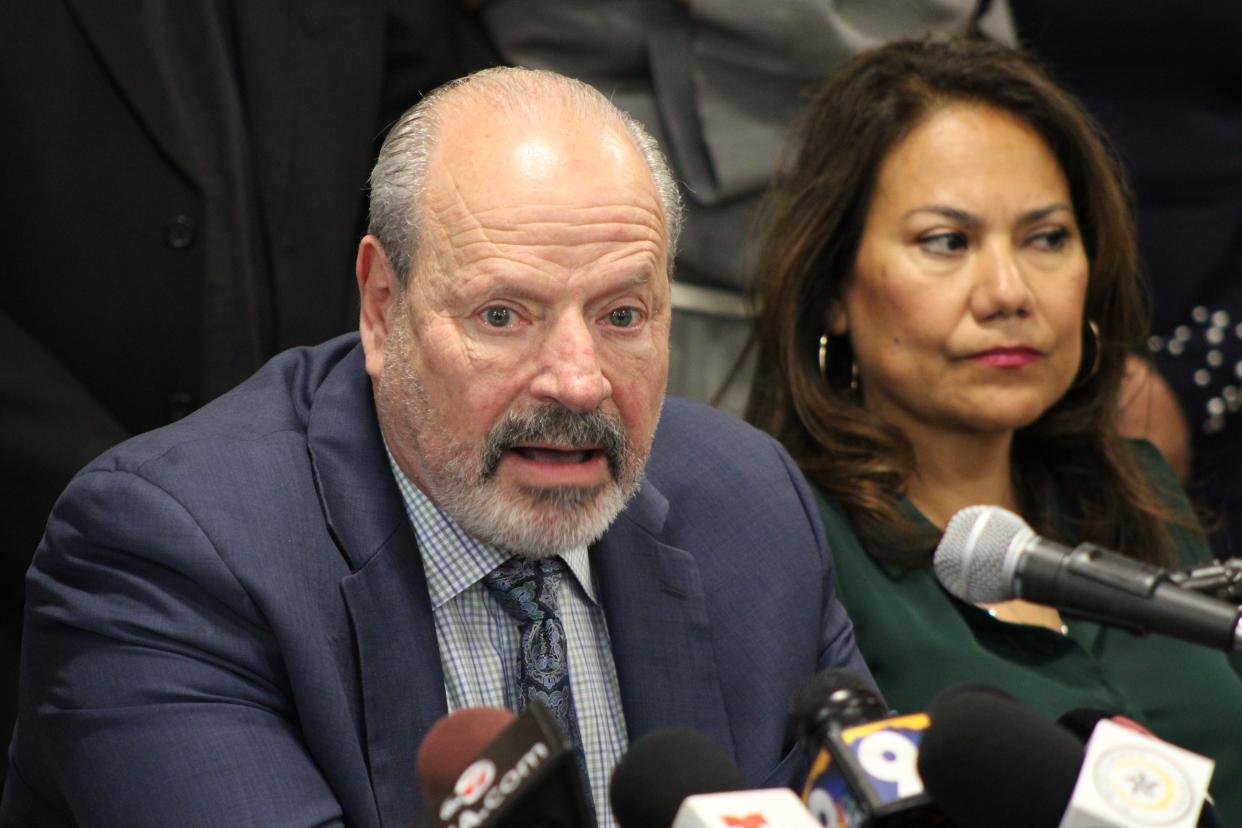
(868, 768)
(890, 757)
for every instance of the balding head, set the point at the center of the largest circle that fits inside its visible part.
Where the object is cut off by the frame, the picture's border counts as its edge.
(490, 108)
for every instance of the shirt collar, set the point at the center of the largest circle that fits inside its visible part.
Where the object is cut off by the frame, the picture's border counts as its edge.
(453, 560)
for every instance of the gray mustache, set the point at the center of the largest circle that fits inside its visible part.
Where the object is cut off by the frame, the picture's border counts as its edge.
(558, 424)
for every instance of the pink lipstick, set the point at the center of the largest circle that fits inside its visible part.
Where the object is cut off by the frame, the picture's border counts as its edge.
(1007, 357)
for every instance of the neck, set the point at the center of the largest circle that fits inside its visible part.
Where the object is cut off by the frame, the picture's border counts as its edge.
(959, 470)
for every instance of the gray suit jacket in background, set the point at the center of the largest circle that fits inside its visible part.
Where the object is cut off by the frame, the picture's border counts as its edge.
(718, 83)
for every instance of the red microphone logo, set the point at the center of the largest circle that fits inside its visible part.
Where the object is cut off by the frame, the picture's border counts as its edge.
(474, 780)
(469, 788)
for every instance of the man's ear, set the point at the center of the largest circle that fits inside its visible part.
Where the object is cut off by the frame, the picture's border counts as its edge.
(378, 292)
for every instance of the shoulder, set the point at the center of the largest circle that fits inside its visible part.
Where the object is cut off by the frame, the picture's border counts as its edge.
(714, 483)
(1157, 469)
(224, 503)
(1191, 545)
(837, 527)
(853, 561)
(234, 480)
(710, 440)
(700, 451)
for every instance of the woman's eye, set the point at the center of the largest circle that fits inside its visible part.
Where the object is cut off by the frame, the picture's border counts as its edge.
(943, 243)
(622, 317)
(1051, 239)
(498, 317)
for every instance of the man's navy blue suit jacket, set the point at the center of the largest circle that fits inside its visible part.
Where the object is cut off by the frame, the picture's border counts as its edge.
(227, 620)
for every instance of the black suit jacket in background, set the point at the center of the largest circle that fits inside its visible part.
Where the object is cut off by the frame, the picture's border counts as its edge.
(101, 307)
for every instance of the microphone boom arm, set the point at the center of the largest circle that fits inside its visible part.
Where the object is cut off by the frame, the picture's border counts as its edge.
(1220, 579)
(1140, 598)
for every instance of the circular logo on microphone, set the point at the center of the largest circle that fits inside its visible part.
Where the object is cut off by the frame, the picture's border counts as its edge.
(474, 781)
(1143, 785)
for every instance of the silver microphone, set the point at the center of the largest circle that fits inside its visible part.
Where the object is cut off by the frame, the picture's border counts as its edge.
(988, 554)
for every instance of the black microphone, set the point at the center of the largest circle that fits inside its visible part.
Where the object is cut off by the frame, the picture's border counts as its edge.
(680, 778)
(664, 767)
(526, 776)
(988, 760)
(988, 554)
(864, 764)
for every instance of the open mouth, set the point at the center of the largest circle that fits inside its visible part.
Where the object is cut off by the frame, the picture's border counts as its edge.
(559, 456)
(557, 446)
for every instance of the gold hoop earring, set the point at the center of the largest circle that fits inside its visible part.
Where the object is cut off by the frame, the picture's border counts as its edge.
(823, 363)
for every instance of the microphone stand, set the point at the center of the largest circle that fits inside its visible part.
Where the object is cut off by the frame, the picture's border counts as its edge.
(1219, 579)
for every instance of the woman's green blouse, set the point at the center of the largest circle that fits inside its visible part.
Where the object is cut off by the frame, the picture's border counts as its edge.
(918, 639)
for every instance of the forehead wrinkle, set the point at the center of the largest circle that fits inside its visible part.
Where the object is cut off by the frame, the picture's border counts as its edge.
(528, 217)
(642, 273)
(456, 204)
(566, 242)
(473, 231)
(445, 210)
(448, 202)
(509, 268)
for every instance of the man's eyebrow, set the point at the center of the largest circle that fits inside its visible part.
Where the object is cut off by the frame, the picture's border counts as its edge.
(521, 286)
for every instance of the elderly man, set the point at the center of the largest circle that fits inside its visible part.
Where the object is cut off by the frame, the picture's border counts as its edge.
(253, 616)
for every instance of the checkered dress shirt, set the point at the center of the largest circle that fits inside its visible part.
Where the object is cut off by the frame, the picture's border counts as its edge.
(479, 643)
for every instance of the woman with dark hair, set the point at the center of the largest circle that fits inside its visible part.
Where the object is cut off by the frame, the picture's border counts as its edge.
(948, 294)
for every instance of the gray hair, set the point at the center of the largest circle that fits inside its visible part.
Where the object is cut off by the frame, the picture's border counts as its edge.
(400, 174)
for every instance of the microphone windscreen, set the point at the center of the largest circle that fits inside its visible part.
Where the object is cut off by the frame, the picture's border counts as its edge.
(664, 767)
(972, 689)
(970, 559)
(829, 698)
(453, 743)
(809, 698)
(988, 760)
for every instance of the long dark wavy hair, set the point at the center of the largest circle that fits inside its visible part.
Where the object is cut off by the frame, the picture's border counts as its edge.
(813, 221)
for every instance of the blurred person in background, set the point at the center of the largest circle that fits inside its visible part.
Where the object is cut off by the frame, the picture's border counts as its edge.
(183, 187)
(718, 83)
(1166, 84)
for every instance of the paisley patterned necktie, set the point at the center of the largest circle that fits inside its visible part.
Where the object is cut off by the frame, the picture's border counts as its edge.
(526, 589)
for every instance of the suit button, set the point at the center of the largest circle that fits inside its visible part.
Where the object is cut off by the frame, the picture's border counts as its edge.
(179, 233)
(177, 405)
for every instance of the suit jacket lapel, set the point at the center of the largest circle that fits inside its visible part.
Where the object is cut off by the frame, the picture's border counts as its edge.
(117, 34)
(399, 661)
(402, 684)
(659, 626)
